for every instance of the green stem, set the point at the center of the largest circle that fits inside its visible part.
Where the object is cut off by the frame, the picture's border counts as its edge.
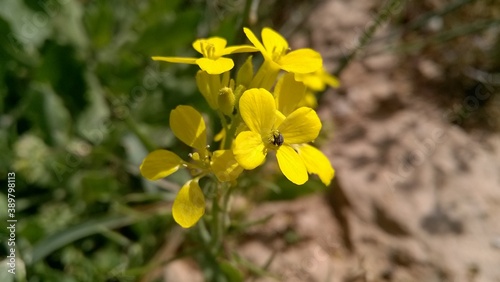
(225, 205)
(245, 20)
(382, 16)
(446, 35)
(424, 19)
(219, 215)
(231, 131)
(226, 129)
(421, 21)
(216, 238)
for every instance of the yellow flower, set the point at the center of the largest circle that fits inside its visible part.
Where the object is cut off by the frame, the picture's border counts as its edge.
(315, 82)
(289, 95)
(318, 80)
(213, 49)
(188, 125)
(189, 204)
(271, 130)
(275, 49)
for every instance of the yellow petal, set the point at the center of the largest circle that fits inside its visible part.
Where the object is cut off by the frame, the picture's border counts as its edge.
(176, 60)
(239, 49)
(331, 80)
(216, 66)
(189, 205)
(301, 61)
(291, 165)
(257, 108)
(217, 44)
(301, 126)
(313, 81)
(288, 93)
(318, 80)
(159, 164)
(279, 119)
(241, 127)
(251, 36)
(224, 165)
(188, 125)
(317, 163)
(274, 42)
(249, 150)
(309, 100)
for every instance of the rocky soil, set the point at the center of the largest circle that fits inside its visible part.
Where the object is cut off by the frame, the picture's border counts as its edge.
(416, 197)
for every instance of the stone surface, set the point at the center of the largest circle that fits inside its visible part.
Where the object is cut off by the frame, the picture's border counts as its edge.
(416, 198)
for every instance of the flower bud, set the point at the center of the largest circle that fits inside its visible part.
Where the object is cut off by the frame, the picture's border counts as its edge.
(226, 100)
(245, 73)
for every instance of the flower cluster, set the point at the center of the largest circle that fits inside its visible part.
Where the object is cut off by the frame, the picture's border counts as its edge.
(270, 111)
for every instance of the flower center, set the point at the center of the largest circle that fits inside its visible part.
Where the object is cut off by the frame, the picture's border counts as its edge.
(277, 138)
(277, 54)
(208, 50)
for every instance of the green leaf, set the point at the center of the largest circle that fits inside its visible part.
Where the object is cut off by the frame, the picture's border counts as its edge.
(26, 33)
(98, 19)
(96, 185)
(56, 241)
(56, 118)
(93, 123)
(231, 272)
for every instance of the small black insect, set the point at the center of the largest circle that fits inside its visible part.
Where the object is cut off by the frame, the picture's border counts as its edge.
(277, 139)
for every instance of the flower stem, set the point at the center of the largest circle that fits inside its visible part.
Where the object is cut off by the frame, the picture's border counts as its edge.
(226, 127)
(225, 205)
(231, 131)
(215, 223)
(219, 215)
(382, 16)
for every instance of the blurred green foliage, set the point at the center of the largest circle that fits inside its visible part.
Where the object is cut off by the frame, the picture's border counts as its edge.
(81, 105)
